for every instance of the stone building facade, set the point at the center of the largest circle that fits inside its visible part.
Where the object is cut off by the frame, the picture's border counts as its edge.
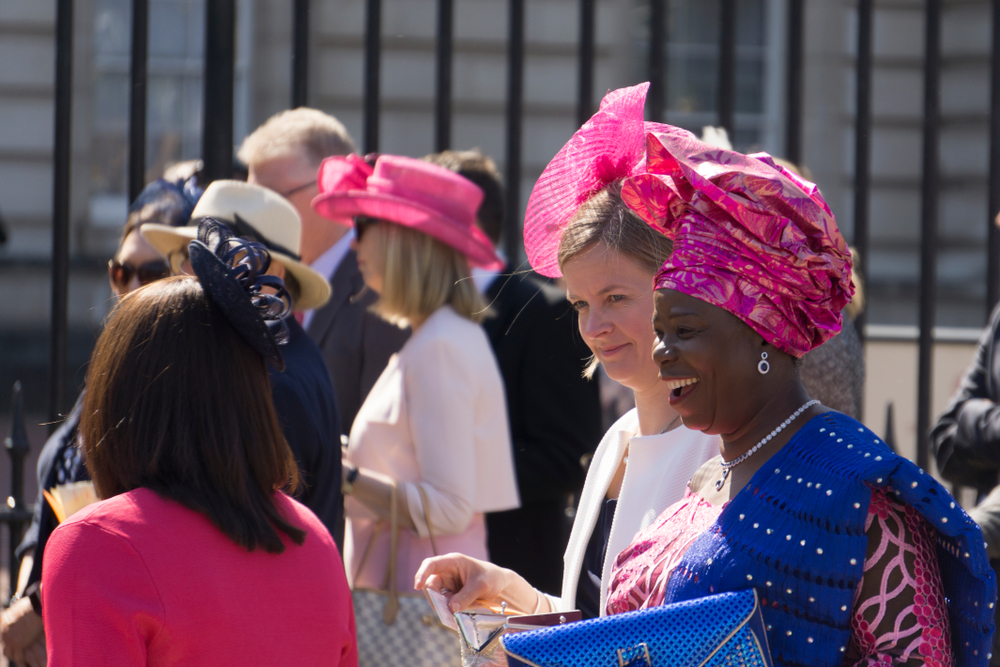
(263, 66)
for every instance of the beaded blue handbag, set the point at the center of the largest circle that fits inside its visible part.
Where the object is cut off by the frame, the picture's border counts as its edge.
(725, 630)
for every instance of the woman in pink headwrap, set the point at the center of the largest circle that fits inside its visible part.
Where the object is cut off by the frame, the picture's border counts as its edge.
(857, 555)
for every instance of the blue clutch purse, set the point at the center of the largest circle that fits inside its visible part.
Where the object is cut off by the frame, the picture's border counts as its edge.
(725, 630)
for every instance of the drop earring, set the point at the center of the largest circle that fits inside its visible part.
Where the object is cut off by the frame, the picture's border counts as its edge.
(763, 366)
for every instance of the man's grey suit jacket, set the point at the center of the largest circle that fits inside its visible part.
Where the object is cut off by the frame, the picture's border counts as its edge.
(355, 342)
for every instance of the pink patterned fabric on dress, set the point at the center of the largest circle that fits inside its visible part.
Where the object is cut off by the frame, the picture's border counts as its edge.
(900, 616)
(899, 613)
(640, 573)
(749, 236)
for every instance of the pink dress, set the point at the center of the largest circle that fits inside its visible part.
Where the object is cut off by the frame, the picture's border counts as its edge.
(141, 580)
(899, 616)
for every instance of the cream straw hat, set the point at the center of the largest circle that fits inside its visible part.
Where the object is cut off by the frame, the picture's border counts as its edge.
(257, 214)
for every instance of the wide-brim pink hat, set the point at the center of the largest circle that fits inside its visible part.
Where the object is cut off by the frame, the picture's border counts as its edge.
(408, 192)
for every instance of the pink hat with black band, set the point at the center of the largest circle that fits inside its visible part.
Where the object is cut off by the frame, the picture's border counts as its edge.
(408, 192)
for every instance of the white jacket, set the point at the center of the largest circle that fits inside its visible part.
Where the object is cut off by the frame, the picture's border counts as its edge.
(436, 419)
(656, 476)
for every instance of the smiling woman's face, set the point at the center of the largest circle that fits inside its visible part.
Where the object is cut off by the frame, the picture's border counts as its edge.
(613, 296)
(709, 357)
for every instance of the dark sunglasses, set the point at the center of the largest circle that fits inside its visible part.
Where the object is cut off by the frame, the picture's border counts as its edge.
(362, 224)
(121, 273)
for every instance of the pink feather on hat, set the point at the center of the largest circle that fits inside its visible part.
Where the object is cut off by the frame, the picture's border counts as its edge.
(749, 236)
(608, 147)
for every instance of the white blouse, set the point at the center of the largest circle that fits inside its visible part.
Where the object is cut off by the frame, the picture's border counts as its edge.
(656, 476)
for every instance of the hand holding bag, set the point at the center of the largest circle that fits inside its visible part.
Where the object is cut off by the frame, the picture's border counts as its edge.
(724, 630)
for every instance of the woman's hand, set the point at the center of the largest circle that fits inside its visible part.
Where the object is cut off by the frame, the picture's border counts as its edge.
(22, 634)
(467, 581)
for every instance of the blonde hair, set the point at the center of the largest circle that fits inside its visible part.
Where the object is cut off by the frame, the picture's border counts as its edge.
(604, 218)
(315, 134)
(421, 275)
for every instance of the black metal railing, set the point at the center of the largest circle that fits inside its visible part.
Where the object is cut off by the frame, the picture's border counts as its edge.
(15, 513)
(993, 232)
(930, 181)
(515, 107)
(218, 127)
(862, 141)
(442, 92)
(59, 338)
(300, 54)
(373, 71)
(657, 61)
(137, 98)
(793, 82)
(727, 66)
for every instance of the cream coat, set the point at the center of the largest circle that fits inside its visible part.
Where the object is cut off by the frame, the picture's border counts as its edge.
(436, 418)
(656, 476)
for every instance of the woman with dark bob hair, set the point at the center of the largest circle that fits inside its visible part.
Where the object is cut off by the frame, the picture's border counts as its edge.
(195, 555)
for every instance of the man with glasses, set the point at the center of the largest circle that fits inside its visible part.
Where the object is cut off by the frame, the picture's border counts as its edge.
(284, 155)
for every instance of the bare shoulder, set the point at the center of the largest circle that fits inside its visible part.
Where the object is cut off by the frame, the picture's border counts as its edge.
(707, 473)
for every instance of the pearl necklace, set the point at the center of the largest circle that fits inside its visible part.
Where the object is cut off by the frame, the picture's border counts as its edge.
(729, 465)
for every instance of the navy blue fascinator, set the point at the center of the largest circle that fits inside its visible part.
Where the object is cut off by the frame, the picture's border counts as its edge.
(172, 203)
(233, 272)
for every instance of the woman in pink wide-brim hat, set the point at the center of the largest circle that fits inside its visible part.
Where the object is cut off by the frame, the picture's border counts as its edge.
(433, 433)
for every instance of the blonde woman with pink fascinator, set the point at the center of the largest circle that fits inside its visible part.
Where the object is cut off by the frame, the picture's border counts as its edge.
(578, 227)
(429, 452)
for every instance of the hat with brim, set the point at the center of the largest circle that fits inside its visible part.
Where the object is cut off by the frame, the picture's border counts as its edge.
(258, 214)
(408, 192)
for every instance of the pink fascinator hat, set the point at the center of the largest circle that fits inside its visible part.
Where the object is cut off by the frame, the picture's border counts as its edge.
(610, 146)
(749, 236)
(409, 192)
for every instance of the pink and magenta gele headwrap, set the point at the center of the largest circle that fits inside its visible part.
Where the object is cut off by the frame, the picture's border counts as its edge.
(749, 236)
(609, 147)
